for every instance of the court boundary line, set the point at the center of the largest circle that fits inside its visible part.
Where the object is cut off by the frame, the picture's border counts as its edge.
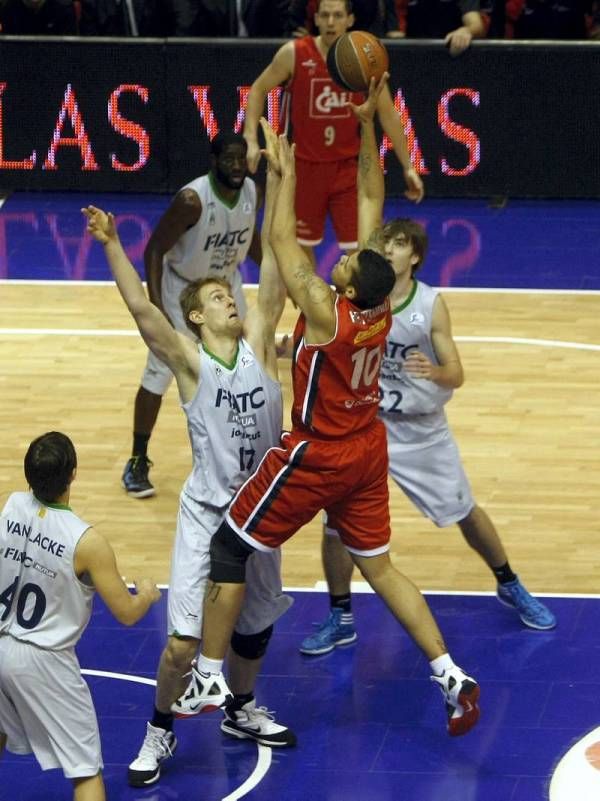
(121, 332)
(362, 587)
(448, 289)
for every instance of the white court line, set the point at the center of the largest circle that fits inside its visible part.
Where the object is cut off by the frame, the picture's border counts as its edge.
(121, 332)
(545, 343)
(265, 757)
(263, 763)
(515, 291)
(445, 289)
(362, 586)
(71, 332)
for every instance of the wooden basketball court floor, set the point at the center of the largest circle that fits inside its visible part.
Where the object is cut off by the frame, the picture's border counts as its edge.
(522, 287)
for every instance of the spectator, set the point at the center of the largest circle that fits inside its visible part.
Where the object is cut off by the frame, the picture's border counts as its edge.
(458, 22)
(378, 16)
(38, 18)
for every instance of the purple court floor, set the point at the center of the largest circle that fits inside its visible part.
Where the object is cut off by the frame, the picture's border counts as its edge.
(370, 724)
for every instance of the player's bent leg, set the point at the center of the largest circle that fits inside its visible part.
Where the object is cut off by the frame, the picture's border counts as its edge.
(174, 670)
(159, 742)
(480, 532)
(89, 788)
(208, 689)
(243, 719)
(407, 604)
(338, 627)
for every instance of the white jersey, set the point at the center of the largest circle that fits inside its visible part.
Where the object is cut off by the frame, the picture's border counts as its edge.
(401, 394)
(42, 601)
(219, 241)
(234, 418)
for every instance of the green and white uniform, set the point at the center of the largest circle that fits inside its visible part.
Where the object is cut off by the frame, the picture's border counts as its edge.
(45, 705)
(214, 247)
(233, 420)
(423, 456)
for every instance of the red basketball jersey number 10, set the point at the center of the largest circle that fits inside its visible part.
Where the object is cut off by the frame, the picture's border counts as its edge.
(355, 58)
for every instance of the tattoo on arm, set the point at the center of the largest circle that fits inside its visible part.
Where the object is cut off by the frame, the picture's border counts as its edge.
(314, 286)
(365, 161)
(213, 591)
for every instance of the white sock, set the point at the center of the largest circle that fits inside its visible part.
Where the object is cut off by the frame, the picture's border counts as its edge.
(206, 665)
(441, 663)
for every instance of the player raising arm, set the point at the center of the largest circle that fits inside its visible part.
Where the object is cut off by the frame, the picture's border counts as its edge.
(335, 457)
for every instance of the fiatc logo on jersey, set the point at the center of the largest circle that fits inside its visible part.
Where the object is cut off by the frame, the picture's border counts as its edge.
(328, 101)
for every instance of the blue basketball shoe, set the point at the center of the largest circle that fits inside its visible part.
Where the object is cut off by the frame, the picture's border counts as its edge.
(532, 612)
(332, 632)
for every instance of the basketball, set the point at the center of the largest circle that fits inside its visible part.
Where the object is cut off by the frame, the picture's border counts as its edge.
(356, 57)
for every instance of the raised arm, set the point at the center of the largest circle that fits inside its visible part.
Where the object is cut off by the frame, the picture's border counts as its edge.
(94, 555)
(310, 293)
(177, 351)
(183, 212)
(262, 319)
(392, 125)
(371, 187)
(279, 71)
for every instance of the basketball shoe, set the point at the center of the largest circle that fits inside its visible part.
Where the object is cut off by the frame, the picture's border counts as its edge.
(332, 632)
(135, 477)
(205, 693)
(158, 745)
(461, 693)
(531, 611)
(256, 723)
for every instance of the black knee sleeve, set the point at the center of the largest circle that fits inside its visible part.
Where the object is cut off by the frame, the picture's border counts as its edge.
(251, 646)
(228, 555)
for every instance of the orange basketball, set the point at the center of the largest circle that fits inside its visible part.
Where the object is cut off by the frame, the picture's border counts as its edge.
(356, 57)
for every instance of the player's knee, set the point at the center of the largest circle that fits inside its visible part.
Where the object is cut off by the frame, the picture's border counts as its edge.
(251, 646)
(228, 556)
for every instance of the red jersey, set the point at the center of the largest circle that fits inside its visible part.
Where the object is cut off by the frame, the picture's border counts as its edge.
(323, 127)
(336, 385)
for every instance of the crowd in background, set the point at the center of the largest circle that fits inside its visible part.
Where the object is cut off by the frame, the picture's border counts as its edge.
(496, 19)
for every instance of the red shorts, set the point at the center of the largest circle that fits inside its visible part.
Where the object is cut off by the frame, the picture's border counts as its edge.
(322, 187)
(348, 479)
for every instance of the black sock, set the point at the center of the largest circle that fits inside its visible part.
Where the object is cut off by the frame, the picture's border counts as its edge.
(140, 444)
(162, 720)
(343, 602)
(239, 699)
(503, 573)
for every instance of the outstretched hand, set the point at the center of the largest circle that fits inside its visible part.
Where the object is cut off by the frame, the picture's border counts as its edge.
(366, 111)
(271, 149)
(100, 224)
(287, 157)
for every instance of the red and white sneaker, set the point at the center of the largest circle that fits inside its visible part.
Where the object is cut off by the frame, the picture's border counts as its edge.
(206, 692)
(461, 693)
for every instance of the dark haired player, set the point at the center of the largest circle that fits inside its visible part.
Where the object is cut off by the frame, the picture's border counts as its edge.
(51, 564)
(335, 457)
(207, 231)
